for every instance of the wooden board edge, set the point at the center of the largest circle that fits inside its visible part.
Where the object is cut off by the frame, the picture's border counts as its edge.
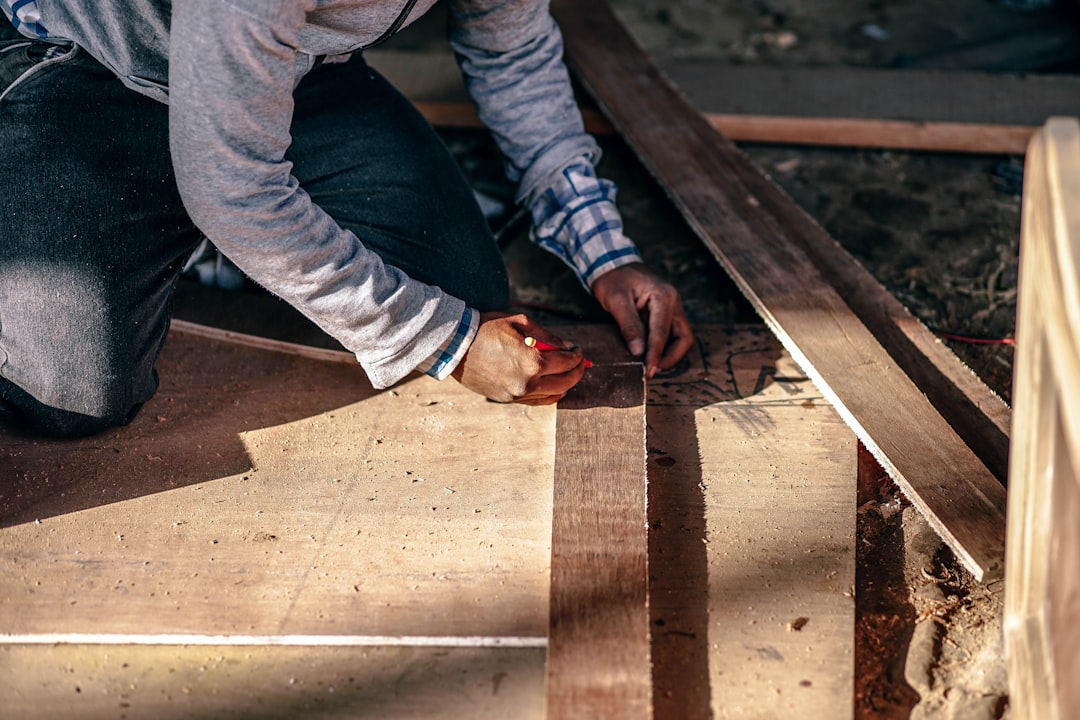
(186, 327)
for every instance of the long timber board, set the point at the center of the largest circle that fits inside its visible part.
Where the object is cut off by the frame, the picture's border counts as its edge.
(749, 225)
(598, 663)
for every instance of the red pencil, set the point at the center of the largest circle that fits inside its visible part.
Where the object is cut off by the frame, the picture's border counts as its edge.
(543, 346)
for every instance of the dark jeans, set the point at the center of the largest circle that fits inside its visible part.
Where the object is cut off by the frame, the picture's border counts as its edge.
(94, 234)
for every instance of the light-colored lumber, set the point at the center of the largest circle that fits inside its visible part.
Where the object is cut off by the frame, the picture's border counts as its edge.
(261, 494)
(752, 494)
(874, 133)
(276, 622)
(779, 488)
(186, 327)
(271, 683)
(747, 222)
(598, 646)
(1042, 582)
(828, 132)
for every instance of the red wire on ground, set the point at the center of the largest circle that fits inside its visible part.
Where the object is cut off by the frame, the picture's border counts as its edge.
(973, 340)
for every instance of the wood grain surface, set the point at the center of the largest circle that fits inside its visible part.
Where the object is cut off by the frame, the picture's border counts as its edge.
(929, 110)
(598, 646)
(748, 223)
(1042, 582)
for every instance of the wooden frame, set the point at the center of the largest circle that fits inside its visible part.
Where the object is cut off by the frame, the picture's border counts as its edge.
(1042, 591)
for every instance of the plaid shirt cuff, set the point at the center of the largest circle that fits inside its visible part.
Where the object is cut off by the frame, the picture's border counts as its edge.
(442, 362)
(577, 220)
(24, 15)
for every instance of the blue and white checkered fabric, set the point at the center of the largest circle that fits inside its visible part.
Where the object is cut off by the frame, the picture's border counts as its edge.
(443, 361)
(576, 219)
(24, 15)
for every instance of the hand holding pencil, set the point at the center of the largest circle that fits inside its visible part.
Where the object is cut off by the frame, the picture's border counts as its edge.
(513, 359)
(542, 346)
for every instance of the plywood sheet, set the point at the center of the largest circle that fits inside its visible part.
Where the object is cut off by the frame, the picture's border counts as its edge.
(270, 683)
(352, 575)
(752, 494)
(265, 495)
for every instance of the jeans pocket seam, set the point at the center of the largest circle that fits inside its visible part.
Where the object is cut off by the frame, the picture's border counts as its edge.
(39, 67)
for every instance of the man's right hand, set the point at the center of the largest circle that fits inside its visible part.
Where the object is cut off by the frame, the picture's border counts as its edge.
(500, 366)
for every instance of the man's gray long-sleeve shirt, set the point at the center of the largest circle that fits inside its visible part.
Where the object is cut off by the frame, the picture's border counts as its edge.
(227, 68)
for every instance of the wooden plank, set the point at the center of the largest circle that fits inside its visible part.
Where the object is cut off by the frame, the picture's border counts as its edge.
(185, 327)
(749, 224)
(1042, 582)
(84, 682)
(828, 132)
(846, 107)
(752, 495)
(598, 646)
(261, 495)
(877, 134)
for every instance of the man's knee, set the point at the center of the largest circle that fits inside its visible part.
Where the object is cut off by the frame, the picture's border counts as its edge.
(19, 409)
(70, 363)
(60, 401)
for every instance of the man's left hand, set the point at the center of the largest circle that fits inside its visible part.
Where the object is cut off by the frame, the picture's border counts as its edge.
(649, 313)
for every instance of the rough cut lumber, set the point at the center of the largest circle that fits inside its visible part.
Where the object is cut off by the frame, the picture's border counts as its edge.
(1042, 582)
(748, 223)
(846, 107)
(598, 646)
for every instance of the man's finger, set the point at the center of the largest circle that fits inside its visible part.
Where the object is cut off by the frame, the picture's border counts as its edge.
(661, 311)
(558, 362)
(555, 383)
(680, 341)
(625, 312)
